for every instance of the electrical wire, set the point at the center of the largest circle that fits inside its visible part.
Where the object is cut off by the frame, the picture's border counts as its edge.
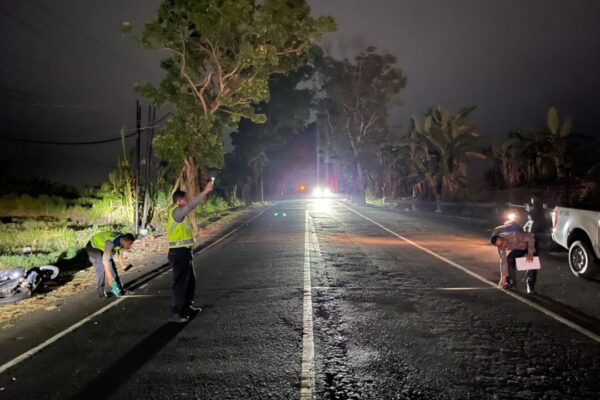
(19, 103)
(146, 129)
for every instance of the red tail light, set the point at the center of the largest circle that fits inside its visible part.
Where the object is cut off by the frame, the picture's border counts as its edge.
(554, 219)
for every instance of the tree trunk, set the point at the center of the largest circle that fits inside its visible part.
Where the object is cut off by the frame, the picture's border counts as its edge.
(190, 176)
(360, 185)
(438, 196)
(262, 188)
(233, 197)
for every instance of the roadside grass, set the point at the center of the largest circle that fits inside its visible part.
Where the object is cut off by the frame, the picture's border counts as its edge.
(46, 229)
(43, 230)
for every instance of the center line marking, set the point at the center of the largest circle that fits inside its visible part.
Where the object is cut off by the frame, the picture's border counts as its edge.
(522, 299)
(307, 377)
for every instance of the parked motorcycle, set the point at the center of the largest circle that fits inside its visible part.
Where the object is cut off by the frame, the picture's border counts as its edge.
(19, 283)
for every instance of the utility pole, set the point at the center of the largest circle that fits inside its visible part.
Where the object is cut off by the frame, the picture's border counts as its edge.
(149, 131)
(138, 126)
(318, 156)
(327, 161)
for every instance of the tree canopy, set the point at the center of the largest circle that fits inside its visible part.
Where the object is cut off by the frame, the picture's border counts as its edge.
(221, 55)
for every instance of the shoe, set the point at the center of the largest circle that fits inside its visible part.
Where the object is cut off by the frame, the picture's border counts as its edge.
(179, 319)
(531, 288)
(104, 295)
(509, 284)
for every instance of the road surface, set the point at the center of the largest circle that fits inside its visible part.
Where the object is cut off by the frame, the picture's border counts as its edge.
(323, 300)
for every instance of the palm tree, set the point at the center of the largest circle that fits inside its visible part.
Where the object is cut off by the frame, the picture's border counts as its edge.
(441, 146)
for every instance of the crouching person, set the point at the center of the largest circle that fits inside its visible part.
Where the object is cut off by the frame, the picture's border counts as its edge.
(101, 249)
(518, 244)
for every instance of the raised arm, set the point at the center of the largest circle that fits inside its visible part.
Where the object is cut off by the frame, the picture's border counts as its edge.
(180, 212)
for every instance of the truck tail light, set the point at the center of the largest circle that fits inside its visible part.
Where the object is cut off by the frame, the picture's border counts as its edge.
(554, 219)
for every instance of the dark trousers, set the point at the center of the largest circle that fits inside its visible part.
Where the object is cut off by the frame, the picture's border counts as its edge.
(184, 280)
(95, 257)
(512, 266)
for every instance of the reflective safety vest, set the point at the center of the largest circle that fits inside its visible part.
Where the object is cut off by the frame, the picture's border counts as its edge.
(99, 240)
(180, 234)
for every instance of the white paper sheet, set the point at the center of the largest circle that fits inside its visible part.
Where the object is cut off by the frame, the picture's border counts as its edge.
(523, 265)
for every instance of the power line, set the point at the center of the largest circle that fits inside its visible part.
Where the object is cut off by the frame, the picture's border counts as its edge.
(49, 142)
(20, 103)
(103, 141)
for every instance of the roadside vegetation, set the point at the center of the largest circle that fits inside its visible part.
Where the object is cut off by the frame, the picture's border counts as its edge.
(38, 230)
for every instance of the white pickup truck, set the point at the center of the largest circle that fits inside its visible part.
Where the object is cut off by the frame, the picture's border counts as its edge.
(578, 231)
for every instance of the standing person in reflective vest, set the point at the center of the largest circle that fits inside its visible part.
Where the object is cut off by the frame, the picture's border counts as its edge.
(101, 248)
(181, 242)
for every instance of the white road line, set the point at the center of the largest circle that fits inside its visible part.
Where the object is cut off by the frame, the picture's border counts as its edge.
(56, 337)
(73, 327)
(307, 377)
(464, 288)
(399, 287)
(522, 299)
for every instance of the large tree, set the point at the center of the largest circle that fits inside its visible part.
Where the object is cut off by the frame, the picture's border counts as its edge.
(222, 53)
(355, 108)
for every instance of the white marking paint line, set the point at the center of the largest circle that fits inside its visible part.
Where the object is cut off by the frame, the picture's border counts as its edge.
(307, 377)
(399, 288)
(56, 337)
(530, 303)
(464, 288)
(73, 327)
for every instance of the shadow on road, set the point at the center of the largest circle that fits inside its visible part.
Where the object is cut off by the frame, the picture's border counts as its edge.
(120, 371)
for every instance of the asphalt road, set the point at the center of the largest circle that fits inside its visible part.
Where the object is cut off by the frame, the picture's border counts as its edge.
(387, 319)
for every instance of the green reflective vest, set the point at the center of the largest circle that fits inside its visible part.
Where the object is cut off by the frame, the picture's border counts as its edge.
(99, 240)
(180, 234)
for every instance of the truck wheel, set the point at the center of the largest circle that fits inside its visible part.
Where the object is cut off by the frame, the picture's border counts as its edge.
(582, 259)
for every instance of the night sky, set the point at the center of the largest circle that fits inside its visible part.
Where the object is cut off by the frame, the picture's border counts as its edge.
(67, 72)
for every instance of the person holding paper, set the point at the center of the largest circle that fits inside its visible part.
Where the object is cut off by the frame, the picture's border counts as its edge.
(519, 244)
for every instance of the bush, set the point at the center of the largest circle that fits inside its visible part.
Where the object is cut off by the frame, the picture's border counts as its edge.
(371, 199)
(214, 205)
(85, 210)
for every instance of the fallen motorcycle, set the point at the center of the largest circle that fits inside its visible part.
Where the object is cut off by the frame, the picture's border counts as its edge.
(19, 283)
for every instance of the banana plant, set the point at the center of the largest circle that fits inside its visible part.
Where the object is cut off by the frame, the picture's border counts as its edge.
(442, 143)
(556, 138)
